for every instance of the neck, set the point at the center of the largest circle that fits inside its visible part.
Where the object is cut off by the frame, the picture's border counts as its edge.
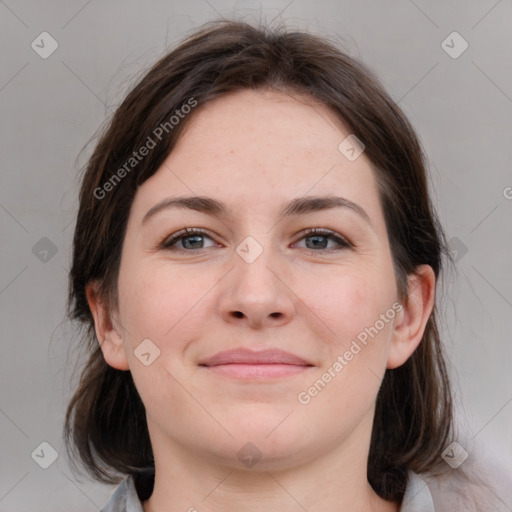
(331, 481)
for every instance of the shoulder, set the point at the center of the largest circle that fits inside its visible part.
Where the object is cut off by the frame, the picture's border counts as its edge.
(479, 484)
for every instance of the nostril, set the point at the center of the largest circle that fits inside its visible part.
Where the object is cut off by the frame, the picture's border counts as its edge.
(238, 314)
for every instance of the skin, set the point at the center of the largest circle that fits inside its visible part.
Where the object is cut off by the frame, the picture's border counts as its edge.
(255, 150)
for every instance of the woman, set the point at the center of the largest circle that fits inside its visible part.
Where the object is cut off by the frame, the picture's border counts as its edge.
(255, 262)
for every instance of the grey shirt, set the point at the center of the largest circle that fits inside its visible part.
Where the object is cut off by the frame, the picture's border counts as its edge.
(417, 497)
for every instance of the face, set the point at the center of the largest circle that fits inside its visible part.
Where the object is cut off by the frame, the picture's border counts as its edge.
(254, 278)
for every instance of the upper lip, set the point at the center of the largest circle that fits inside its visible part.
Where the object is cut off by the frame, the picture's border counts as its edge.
(246, 356)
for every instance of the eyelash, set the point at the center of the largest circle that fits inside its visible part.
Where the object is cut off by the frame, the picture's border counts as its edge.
(187, 232)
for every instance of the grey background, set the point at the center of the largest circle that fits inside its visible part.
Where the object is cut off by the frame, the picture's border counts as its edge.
(49, 108)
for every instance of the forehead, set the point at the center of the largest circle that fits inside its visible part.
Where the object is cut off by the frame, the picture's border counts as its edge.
(250, 121)
(261, 147)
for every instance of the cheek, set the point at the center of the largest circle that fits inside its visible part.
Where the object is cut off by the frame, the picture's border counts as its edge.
(355, 345)
(364, 319)
(342, 303)
(346, 317)
(161, 302)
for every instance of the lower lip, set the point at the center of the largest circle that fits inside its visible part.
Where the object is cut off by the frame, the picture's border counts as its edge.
(258, 371)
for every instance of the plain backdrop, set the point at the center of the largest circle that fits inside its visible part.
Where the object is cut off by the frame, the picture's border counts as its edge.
(459, 100)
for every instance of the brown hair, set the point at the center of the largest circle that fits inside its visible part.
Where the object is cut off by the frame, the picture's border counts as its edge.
(105, 421)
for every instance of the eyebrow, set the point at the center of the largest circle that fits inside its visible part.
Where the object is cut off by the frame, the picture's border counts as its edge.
(297, 206)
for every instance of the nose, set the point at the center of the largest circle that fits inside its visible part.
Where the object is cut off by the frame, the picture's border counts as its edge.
(256, 293)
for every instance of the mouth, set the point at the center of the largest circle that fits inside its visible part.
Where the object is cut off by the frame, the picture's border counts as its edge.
(244, 364)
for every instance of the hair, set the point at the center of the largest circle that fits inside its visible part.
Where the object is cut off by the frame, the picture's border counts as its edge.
(105, 422)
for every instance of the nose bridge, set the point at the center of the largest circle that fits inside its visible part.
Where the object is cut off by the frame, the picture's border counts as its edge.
(255, 257)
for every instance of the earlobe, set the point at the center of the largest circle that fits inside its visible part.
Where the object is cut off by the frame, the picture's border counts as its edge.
(411, 321)
(109, 337)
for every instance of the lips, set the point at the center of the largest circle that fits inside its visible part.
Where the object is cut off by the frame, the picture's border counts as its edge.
(250, 357)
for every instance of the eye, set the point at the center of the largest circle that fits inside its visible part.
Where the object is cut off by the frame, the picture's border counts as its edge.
(189, 238)
(318, 239)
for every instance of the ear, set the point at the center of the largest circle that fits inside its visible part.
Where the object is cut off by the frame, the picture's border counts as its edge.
(412, 320)
(109, 337)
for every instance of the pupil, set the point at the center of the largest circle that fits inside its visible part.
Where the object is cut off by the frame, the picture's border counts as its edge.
(196, 240)
(317, 241)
